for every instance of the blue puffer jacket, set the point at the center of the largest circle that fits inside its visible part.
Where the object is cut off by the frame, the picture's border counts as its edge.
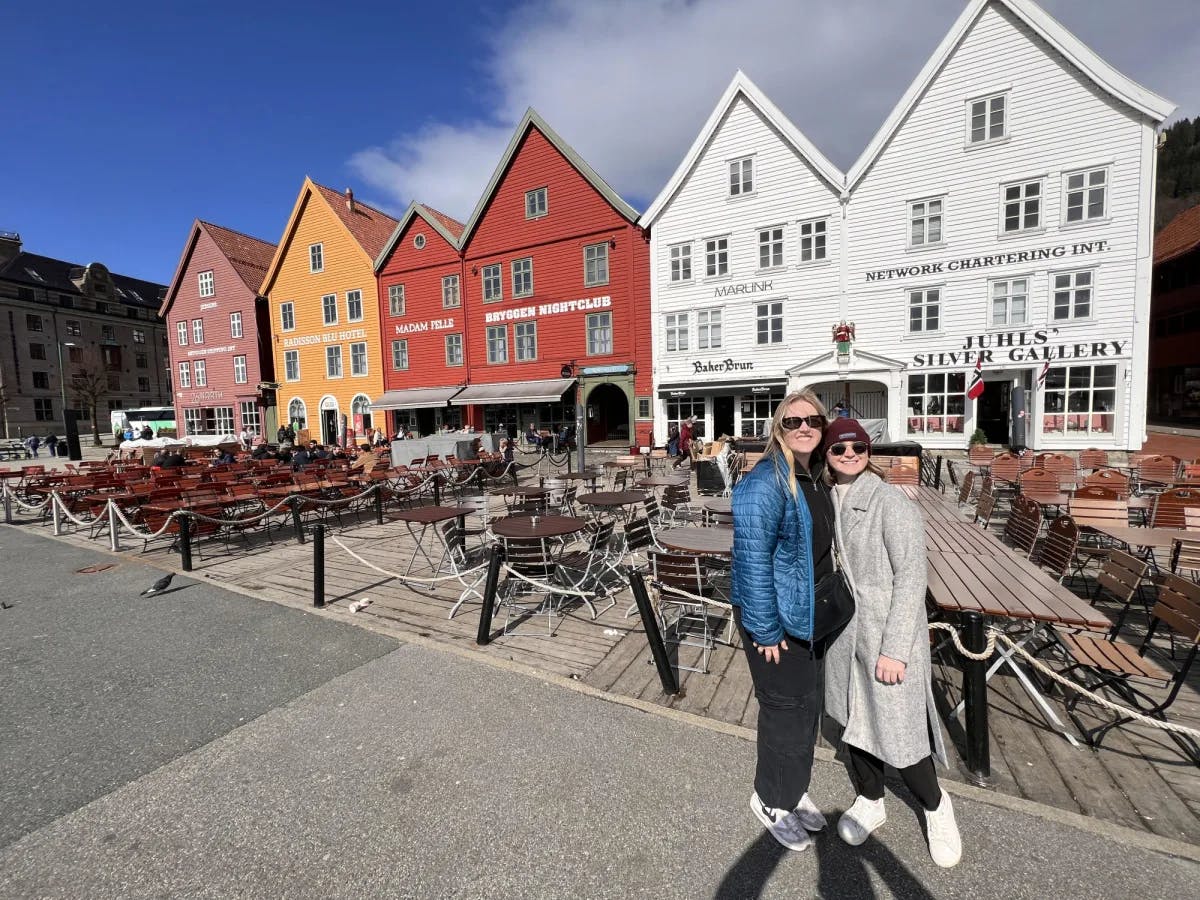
(772, 555)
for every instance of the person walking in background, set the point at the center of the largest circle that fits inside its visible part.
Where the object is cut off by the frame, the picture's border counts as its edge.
(878, 671)
(32, 443)
(52, 444)
(782, 547)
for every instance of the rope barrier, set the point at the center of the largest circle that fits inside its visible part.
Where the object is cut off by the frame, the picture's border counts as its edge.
(62, 507)
(436, 580)
(958, 644)
(144, 535)
(18, 501)
(548, 588)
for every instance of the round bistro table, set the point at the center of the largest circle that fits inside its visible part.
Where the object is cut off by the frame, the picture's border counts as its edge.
(546, 527)
(714, 541)
(719, 504)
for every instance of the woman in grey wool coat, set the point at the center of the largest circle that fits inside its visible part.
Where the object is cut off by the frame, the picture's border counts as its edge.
(877, 677)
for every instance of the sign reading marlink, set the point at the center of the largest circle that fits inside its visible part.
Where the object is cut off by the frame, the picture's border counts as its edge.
(984, 262)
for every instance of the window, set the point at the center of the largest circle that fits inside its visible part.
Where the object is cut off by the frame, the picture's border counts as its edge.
(41, 380)
(181, 331)
(72, 327)
(681, 408)
(207, 287)
(201, 371)
(224, 419)
(643, 407)
(741, 177)
(291, 365)
(770, 322)
(770, 248)
(677, 331)
(185, 375)
(197, 331)
(812, 240)
(708, 329)
(109, 334)
(83, 413)
(38, 351)
(937, 403)
(451, 299)
(716, 257)
(33, 323)
(66, 302)
(358, 358)
(235, 325)
(522, 277)
(924, 223)
(497, 344)
(141, 360)
(333, 362)
(1072, 295)
(74, 354)
(193, 421)
(316, 258)
(43, 409)
(396, 299)
(329, 309)
(248, 412)
(525, 336)
(354, 307)
(535, 203)
(287, 316)
(595, 264)
(101, 307)
(239, 370)
(493, 287)
(757, 410)
(399, 355)
(143, 384)
(681, 262)
(112, 358)
(1010, 302)
(454, 350)
(1080, 400)
(988, 120)
(1087, 195)
(139, 336)
(298, 413)
(924, 310)
(1022, 206)
(599, 334)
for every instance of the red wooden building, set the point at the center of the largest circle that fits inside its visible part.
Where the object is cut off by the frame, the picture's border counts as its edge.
(219, 336)
(551, 297)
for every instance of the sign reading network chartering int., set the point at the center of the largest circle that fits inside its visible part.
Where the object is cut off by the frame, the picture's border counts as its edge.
(987, 262)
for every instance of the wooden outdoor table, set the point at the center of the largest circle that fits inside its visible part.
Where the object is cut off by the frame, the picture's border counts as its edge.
(520, 491)
(946, 536)
(662, 481)
(1151, 538)
(713, 541)
(718, 504)
(418, 521)
(586, 475)
(612, 499)
(546, 527)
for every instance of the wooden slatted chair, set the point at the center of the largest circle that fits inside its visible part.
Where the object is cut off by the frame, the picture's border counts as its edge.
(1110, 479)
(1185, 558)
(966, 488)
(1058, 549)
(1121, 578)
(675, 575)
(1093, 458)
(1024, 525)
(1155, 472)
(980, 456)
(1006, 467)
(1190, 474)
(902, 474)
(1170, 507)
(535, 559)
(1039, 484)
(1063, 466)
(1095, 506)
(985, 506)
(1125, 670)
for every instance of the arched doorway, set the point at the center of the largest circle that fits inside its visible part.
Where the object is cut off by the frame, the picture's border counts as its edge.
(298, 414)
(862, 399)
(329, 419)
(360, 411)
(607, 414)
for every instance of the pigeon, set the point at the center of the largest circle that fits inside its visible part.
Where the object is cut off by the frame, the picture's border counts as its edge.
(159, 586)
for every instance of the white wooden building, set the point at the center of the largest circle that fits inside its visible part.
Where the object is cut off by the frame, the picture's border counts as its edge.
(1002, 216)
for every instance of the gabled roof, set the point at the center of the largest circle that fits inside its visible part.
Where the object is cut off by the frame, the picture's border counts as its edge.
(1178, 236)
(532, 120)
(46, 272)
(827, 361)
(248, 256)
(448, 228)
(369, 227)
(1053, 33)
(742, 87)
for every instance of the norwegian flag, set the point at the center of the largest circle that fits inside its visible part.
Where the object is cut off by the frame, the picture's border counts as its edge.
(975, 388)
(1042, 375)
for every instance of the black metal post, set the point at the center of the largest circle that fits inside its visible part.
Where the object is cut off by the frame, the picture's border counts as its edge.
(974, 687)
(7, 508)
(495, 556)
(319, 566)
(297, 523)
(937, 474)
(379, 504)
(437, 489)
(666, 673)
(185, 541)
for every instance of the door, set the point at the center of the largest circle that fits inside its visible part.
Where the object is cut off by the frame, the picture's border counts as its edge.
(722, 416)
(993, 411)
(329, 426)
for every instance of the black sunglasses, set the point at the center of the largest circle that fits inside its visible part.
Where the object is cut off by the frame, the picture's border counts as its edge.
(791, 423)
(859, 448)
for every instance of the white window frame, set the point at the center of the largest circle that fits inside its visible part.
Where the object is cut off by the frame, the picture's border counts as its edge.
(139, 336)
(497, 345)
(400, 355)
(925, 303)
(200, 373)
(595, 327)
(185, 375)
(235, 325)
(493, 283)
(774, 315)
(814, 240)
(74, 328)
(1022, 202)
(537, 203)
(1072, 288)
(455, 340)
(240, 371)
(197, 331)
(1085, 191)
(359, 363)
(770, 239)
(718, 255)
(680, 260)
(291, 358)
(513, 274)
(989, 111)
(592, 276)
(1058, 400)
(451, 293)
(297, 411)
(354, 298)
(944, 408)
(925, 215)
(316, 258)
(287, 314)
(223, 417)
(525, 341)
(396, 300)
(181, 332)
(1010, 293)
(675, 332)
(710, 322)
(333, 361)
(736, 171)
(249, 415)
(205, 284)
(329, 310)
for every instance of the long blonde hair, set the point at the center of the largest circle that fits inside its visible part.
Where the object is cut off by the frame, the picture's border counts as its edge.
(777, 443)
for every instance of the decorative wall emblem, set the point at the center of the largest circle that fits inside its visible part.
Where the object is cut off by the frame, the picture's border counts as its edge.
(843, 336)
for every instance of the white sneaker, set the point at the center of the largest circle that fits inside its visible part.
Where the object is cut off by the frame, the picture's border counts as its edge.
(809, 816)
(945, 843)
(857, 823)
(782, 824)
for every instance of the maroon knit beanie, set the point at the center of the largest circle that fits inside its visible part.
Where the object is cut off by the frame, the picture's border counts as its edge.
(839, 430)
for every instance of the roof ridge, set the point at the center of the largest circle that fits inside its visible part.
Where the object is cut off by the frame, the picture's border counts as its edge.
(357, 202)
(209, 224)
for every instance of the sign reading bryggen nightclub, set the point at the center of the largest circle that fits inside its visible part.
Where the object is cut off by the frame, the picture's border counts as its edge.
(1001, 218)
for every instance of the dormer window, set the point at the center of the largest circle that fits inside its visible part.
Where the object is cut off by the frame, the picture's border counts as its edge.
(535, 203)
(987, 119)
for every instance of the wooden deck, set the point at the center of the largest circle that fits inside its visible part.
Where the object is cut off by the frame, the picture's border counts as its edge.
(1137, 779)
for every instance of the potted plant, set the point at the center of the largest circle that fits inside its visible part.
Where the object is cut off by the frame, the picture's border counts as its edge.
(977, 437)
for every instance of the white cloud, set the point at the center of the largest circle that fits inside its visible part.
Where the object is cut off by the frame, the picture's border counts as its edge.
(629, 83)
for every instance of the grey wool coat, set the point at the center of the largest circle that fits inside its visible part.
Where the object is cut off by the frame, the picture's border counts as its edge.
(881, 542)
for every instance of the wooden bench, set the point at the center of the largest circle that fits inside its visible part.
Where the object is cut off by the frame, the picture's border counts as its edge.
(12, 448)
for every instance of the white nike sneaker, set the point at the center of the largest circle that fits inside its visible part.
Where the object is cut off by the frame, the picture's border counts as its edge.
(945, 843)
(857, 823)
(782, 824)
(809, 816)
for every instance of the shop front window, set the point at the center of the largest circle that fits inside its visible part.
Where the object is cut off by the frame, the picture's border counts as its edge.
(680, 408)
(1080, 400)
(937, 403)
(757, 410)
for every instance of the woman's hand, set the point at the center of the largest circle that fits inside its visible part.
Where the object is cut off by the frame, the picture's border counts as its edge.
(888, 670)
(771, 651)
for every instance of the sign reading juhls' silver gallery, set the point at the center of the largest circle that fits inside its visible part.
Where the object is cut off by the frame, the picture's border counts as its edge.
(968, 233)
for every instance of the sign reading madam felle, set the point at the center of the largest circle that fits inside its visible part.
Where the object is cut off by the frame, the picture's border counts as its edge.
(1019, 346)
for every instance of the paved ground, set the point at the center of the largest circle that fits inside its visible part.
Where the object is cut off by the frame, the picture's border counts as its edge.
(414, 773)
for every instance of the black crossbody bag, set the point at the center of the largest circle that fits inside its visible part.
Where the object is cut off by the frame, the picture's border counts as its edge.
(833, 601)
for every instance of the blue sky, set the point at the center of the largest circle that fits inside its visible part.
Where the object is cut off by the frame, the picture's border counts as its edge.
(127, 120)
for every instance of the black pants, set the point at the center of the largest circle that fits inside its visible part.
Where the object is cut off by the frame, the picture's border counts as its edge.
(866, 771)
(791, 698)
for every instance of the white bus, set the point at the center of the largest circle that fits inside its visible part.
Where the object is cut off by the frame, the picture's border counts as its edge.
(161, 420)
